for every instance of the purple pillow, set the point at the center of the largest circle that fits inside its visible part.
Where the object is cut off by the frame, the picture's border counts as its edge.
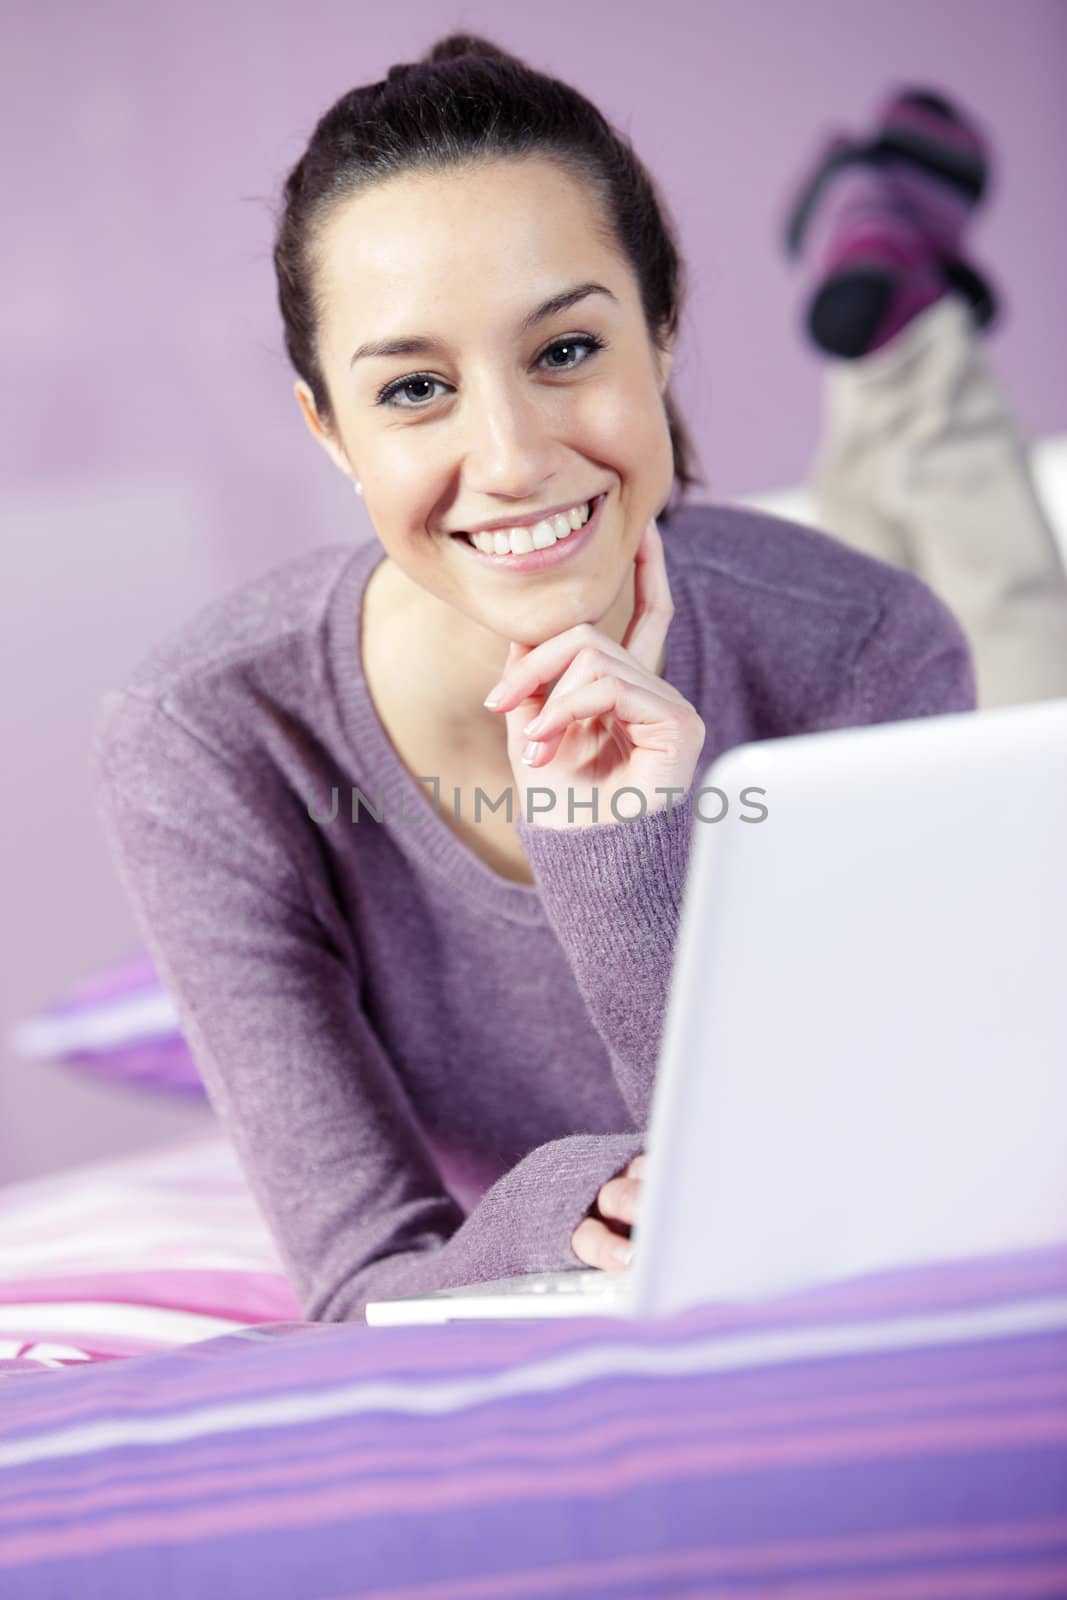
(119, 1024)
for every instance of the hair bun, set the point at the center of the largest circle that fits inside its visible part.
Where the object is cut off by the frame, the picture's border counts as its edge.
(463, 44)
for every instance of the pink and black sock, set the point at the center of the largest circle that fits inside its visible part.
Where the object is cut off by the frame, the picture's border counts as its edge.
(873, 269)
(939, 164)
(880, 224)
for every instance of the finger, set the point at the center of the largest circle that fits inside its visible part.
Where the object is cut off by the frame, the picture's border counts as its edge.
(636, 1168)
(533, 702)
(548, 730)
(619, 1199)
(588, 666)
(592, 663)
(596, 1246)
(530, 669)
(633, 703)
(653, 604)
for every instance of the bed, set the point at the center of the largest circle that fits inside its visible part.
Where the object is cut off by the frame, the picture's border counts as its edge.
(169, 1424)
(183, 1432)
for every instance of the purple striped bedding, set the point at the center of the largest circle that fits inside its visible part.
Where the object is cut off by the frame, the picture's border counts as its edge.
(906, 1437)
(903, 1435)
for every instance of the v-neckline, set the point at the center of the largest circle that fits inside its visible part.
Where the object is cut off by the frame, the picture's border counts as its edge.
(377, 764)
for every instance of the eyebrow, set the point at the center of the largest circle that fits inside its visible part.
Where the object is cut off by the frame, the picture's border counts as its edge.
(424, 344)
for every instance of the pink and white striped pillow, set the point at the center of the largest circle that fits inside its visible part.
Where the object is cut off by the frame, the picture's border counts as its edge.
(132, 1255)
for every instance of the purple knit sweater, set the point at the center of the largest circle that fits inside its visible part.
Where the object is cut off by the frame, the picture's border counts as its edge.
(428, 1070)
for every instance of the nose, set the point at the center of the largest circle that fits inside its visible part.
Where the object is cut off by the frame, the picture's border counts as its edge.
(510, 443)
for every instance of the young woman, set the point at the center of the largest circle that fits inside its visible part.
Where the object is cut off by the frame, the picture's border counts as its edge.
(431, 1026)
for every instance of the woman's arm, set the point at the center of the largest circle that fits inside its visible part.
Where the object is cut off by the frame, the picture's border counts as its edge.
(613, 895)
(326, 1135)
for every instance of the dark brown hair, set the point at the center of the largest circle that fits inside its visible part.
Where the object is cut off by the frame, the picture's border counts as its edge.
(468, 101)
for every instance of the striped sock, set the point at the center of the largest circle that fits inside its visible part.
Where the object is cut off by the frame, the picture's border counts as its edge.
(873, 268)
(938, 162)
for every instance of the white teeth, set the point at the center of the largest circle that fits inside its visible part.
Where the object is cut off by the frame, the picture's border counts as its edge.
(519, 541)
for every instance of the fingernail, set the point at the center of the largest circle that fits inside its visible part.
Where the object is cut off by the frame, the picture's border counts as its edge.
(623, 1253)
(531, 753)
(532, 727)
(495, 695)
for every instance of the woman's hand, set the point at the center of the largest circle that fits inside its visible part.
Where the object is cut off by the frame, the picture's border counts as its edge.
(610, 722)
(592, 1240)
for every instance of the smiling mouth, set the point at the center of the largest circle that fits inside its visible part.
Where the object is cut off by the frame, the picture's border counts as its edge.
(587, 512)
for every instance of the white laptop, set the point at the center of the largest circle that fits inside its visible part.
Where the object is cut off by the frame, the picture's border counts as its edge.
(864, 1055)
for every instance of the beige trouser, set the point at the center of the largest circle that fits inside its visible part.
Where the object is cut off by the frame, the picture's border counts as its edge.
(922, 465)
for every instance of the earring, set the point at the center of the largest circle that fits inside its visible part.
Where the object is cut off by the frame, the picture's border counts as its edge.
(358, 487)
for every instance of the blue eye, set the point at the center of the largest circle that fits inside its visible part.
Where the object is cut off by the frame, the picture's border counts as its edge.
(584, 341)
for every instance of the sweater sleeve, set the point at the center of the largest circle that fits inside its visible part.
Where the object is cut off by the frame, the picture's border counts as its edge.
(612, 894)
(269, 1003)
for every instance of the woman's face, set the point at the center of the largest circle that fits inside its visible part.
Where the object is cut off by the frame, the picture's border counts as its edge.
(500, 419)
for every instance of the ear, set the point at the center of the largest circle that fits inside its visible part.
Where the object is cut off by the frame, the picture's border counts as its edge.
(664, 363)
(306, 401)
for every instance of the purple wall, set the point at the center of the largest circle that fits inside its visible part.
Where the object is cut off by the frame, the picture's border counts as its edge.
(152, 451)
